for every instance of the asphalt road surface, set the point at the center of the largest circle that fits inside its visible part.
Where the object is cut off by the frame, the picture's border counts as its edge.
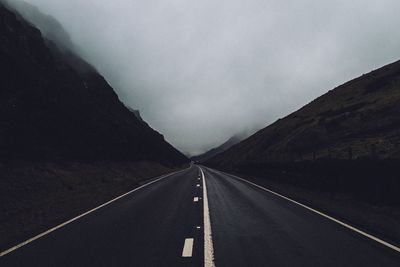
(180, 221)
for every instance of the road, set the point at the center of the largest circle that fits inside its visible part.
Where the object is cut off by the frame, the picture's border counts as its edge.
(180, 221)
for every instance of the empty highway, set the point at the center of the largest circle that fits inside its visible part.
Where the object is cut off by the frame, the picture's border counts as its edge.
(201, 217)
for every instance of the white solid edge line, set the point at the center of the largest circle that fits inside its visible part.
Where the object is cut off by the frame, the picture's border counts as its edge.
(395, 248)
(3, 253)
(188, 248)
(208, 243)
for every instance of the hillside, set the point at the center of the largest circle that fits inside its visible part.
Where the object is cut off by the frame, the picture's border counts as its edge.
(55, 105)
(49, 27)
(357, 120)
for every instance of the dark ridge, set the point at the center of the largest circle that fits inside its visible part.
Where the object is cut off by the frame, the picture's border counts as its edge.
(53, 105)
(357, 120)
(346, 141)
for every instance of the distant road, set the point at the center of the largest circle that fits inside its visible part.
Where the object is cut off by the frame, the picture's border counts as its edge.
(170, 222)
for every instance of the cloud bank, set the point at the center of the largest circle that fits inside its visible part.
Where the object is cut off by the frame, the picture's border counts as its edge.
(201, 71)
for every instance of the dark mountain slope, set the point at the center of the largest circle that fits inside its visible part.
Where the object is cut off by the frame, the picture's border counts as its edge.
(48, 109)
(55, 37)
(50, 28)
(357, 120)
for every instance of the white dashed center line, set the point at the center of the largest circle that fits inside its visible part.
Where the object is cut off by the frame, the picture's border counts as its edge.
(188, 248)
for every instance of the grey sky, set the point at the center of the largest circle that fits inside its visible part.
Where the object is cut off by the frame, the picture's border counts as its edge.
(200, 71)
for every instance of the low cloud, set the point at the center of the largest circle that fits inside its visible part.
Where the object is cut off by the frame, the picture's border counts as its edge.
(201, 71)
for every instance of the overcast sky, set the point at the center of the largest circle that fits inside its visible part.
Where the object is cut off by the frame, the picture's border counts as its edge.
(201, 71)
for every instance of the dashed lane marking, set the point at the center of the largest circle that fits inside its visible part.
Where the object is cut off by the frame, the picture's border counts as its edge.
(188, 248)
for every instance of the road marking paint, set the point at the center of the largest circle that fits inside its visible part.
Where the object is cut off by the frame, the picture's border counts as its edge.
(3, 253)
(195, 199)
(198, 185)
(208, 243)
(188, 248)
(395, 248)
(198, 227)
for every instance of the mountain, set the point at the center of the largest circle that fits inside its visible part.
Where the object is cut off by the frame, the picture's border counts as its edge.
(50, 28)
(54, 105)
(54, 35)
(221, 148)
(355, 121)
(67, 143)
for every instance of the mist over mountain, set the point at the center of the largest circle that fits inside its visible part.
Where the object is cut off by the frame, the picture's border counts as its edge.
(221, 148)
(54, 35)
(229, 65)
(55, 105)
(357, 120)
(50, 28)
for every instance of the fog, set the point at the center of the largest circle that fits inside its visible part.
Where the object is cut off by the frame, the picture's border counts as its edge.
(201, 71)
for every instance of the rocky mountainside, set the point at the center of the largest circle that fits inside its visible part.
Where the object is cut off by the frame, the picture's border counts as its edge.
(54, 105)
(357, 120)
